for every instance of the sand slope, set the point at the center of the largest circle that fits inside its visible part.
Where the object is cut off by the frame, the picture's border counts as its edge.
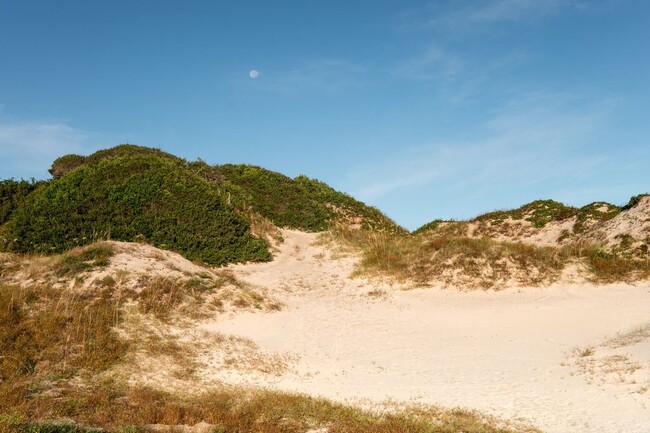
(543, 355)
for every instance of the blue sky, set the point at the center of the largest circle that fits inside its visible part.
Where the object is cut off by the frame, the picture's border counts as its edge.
(441, 109)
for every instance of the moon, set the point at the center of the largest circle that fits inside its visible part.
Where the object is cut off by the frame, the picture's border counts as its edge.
(253, 74)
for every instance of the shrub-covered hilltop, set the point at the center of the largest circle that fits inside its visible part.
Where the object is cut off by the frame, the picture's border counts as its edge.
(133, 193)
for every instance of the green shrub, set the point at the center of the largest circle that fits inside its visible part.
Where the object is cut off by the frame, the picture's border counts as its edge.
(634, 201)
(12, 193)
(593, 213)
(138, 196)
(65, 164)
(300, 203)
(538, 212)
(134, 193)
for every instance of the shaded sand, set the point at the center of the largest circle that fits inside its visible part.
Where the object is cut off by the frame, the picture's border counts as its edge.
(516, 354)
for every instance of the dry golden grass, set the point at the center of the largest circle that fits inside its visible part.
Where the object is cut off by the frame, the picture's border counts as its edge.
(113, 407)
(54, 332)
(264, 229)
(608, 267)
(459, 261)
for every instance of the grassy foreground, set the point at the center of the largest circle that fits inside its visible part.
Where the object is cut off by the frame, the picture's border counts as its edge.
(118, 408)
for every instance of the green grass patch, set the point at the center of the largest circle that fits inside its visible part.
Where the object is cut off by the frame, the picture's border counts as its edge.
(594, 213)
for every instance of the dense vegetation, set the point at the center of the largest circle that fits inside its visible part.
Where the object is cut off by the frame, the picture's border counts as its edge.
(65, 164)
(300, 203)
(134, 193)
(136, 197)
(12, 193)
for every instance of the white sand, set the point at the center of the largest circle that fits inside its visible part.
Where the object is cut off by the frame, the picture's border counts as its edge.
(508, 353)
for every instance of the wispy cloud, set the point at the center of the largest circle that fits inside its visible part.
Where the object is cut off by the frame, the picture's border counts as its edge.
(467, 16)
(535, 139)
(412, 174)
(314, 76)
(458, 78)
(432, 64)
(509, 10)
(28, 148)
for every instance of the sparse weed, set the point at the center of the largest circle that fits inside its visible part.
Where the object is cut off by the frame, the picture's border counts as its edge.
(584, 352)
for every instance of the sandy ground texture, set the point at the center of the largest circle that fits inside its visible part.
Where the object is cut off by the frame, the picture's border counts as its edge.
(564, 358)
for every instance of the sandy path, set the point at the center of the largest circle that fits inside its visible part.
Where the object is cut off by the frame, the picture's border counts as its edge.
(508, 353)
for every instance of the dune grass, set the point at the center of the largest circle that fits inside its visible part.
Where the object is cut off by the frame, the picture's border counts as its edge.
(51, 333)
(426, 257)
(538, 212)
(118, 408)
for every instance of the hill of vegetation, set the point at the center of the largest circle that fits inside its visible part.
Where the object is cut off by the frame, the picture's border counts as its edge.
(142, 196)
(298, 203)
(134, 193)
(539, 213)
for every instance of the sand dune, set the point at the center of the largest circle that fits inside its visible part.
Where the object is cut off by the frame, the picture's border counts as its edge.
(540, 355)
